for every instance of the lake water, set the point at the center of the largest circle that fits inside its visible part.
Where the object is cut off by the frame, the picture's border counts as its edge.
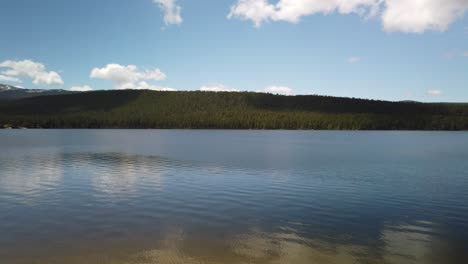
(195, 196)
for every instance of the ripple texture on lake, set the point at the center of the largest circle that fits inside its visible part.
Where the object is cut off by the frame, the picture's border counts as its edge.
(183, 196)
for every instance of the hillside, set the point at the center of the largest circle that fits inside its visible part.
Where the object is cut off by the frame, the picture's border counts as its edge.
(151, 109)
(8, 92)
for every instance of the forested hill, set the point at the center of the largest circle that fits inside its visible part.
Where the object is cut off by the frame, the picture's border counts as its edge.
(223, 110)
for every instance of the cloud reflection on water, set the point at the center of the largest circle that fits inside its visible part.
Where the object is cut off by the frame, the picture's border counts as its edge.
(30, 176)
(403, 243)
(169, 199)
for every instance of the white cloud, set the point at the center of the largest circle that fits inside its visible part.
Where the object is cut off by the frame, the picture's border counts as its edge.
(48, 78)
(292, 11)
(354, 59)
(217, 88)
(146, 86)
(434, 92)
(171, 11)
(283, 90)
(126, 77)
(465, 54)
(256, 10)
(30, 69)
(85, 88)
(5, 78)
(415, 16)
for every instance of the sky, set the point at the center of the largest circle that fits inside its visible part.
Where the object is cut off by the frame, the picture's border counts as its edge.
(378, 49)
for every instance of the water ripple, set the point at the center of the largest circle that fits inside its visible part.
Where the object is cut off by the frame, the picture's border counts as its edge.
(111, 205)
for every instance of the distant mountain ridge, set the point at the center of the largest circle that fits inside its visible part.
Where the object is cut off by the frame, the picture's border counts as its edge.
(4, 87)
(9, 92)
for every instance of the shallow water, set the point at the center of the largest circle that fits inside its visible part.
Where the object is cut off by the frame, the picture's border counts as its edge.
(195, 196)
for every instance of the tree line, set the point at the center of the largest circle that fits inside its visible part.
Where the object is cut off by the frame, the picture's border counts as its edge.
(227, 110)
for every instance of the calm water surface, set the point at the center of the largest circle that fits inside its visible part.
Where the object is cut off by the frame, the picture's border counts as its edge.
(175, 196)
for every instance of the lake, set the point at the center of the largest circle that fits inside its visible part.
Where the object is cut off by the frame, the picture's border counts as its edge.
(211, 196)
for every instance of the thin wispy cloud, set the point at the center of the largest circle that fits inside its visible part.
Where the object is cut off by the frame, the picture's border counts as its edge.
(434, 92)
(171, 11)
(5, 78)
(449, 55)
(354, 59)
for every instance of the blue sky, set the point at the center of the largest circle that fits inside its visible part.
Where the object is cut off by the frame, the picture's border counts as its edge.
(391, 50)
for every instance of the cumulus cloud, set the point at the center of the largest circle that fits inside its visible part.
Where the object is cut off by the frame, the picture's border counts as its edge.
(412, 16)
(434, 92)
(84, 88)
(256, 10)
(30, 69)
(48, 78)
(217, 88)
(292, 11)
(127, 77)
(354, 59)
(171, 11)
(421, 15)
(283, 90)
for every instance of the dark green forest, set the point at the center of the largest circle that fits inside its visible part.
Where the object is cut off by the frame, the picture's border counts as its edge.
(226, 110)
